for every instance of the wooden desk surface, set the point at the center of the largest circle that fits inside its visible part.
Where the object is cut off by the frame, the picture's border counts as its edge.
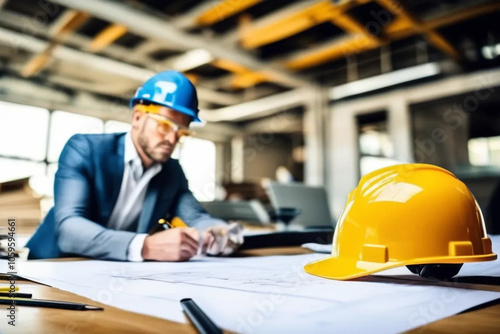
(113, 320)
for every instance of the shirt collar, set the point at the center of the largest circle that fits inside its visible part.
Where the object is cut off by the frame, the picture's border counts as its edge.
(130, 151)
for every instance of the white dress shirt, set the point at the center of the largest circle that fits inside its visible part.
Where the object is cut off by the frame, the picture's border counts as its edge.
(133, 189)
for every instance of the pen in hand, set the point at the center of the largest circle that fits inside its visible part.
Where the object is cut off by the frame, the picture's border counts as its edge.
(176, 222)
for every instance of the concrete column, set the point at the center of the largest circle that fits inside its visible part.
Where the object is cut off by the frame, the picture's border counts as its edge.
(314, 137)
(400, 130)
(237, 159)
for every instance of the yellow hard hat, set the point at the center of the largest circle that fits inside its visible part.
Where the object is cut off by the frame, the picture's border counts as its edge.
(406, 215)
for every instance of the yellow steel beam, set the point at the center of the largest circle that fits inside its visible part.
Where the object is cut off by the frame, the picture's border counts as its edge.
(398, 26)
(243, 77)
(462, 15)
(69, 23)
(38, 62)
(302, 20)
(107, 36)
(223, 10)
(230, 66)
(340, 48)
(434, 37)
(398, 29)
(442, 43)
(290, 25)
(249, 79)
(244, 21)
(306, 18)
(348, 24)
(192, 77)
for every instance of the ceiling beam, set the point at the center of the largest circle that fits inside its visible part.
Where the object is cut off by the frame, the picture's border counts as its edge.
(188, 19)
(462, 15)
(485, 82)
(61, 28)
(103, 64)
(396, 30)
(234, 35)
(149, 46)
(289, 123)
(258, 108)
(337, 48)
(255, 36)
(35, 27)
(139, 55)
(223, 10)
(25, 92)
(38, 62)
(67, 23)
(106, 88)
(434, 37)
(107, 36)
(185, 62)
(242, 78)
(154, 27)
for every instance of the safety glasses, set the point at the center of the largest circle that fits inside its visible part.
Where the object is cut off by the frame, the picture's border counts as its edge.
(164, 124)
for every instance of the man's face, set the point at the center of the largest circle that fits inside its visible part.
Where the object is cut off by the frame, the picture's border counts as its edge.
(157, 146)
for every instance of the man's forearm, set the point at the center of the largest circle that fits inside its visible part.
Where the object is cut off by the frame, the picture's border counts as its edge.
(78, 235)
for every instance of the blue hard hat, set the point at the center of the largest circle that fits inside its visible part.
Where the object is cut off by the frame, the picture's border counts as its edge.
(170, 89)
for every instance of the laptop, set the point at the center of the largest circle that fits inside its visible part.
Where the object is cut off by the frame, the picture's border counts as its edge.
(248, 211)
(312, 201)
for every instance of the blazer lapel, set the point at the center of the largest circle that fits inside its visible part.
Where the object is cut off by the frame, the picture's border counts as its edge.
(114, 169)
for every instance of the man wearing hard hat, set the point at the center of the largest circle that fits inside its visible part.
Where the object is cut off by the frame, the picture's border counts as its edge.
(112, 189)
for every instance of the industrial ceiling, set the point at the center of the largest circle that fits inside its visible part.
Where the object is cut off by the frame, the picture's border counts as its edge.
(80, 54)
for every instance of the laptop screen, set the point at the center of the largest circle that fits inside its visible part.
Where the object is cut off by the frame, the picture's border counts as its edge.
(312, 201)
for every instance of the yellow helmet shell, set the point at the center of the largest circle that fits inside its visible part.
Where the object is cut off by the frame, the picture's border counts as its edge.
(403, 215)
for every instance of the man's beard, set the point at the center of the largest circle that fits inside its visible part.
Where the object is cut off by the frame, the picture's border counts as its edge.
(143, 142)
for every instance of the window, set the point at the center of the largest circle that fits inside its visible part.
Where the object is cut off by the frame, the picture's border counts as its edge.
(484, 151)
(197, 157)
(115, 126)
(64, 125)
(23, 131)
(375, 146)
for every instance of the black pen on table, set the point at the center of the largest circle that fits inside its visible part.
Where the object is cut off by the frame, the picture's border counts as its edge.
(49, 303)
(16, 295)
(200, 320)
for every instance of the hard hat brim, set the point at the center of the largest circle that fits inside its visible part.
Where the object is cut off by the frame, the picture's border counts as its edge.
(181, 109)
(344, 269)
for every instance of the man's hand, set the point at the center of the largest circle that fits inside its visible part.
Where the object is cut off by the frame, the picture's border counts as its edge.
(222, 240)
(176, 244)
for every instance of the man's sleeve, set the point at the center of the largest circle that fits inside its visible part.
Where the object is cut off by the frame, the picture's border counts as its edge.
(191, 212)
(72, 195)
